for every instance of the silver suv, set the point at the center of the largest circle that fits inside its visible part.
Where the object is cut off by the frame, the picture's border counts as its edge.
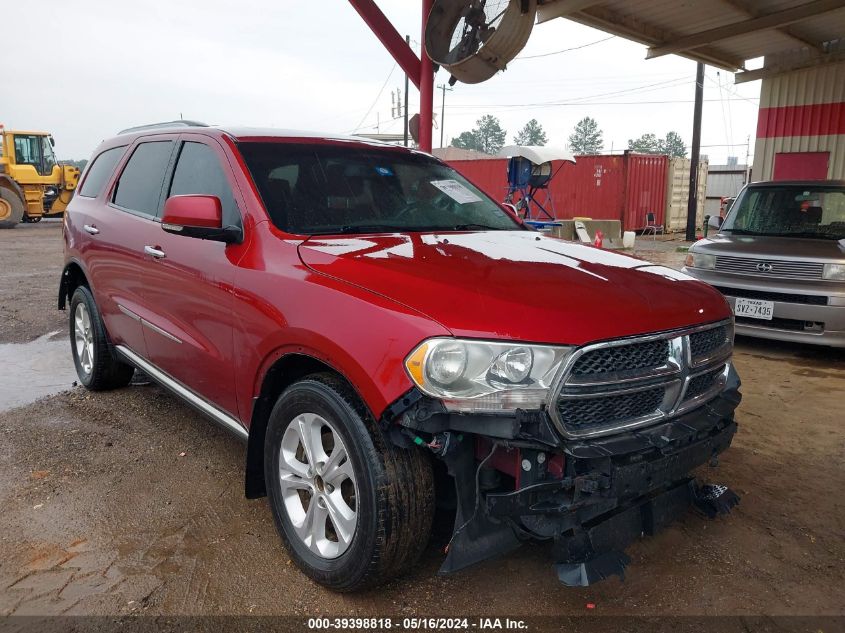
(779, 258)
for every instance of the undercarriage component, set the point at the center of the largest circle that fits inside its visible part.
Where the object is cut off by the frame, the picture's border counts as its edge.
(593, 570)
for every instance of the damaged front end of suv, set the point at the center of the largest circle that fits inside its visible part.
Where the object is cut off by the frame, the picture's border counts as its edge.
(587, 448)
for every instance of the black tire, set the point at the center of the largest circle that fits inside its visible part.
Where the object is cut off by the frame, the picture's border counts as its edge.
(100, 369)
(11, 208)
(394, 491)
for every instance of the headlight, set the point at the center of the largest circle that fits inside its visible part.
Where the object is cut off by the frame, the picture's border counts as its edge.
(700, 260)
(835, 272)
(477, 376)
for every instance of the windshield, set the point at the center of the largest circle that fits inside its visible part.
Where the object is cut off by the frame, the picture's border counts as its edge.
(329, 189)
(789, 211)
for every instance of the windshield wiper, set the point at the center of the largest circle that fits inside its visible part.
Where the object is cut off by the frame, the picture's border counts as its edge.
(475, 227)
(809, 234)
(348, 229)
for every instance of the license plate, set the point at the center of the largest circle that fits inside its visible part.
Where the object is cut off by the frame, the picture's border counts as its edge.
(754, 308)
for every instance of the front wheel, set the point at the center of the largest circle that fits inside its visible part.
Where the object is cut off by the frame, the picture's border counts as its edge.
(352, 509)
(11, 208)
(96, 365)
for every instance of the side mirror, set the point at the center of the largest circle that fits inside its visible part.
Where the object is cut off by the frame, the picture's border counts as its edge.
(715, 222)
(198, 216)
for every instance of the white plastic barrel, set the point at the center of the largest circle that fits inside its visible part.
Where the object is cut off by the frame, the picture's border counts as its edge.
(628, 239)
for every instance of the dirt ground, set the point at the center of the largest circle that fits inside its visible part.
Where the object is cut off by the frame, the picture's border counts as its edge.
(129, 502)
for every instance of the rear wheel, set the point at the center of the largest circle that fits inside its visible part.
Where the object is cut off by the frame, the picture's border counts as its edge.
(96, 365)
(11, 208)
(352, 509)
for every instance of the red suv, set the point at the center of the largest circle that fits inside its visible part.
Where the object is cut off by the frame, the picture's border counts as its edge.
(393, 345)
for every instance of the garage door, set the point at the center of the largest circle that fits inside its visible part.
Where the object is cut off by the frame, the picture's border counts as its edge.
(801, 165)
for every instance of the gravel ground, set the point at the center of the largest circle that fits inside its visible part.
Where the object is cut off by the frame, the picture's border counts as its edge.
(128, 502)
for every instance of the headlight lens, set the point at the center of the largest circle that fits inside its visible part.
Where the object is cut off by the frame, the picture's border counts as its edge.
(472, 376)
(447, 363)
(701, 260)
(835, 272)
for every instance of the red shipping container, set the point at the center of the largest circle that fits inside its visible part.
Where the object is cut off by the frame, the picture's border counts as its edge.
(603, 187)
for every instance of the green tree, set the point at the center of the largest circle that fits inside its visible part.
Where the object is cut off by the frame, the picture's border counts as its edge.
(466, 140)
(532, 134)
(586, 138)
(488, 136)
(673, 145)
(646, 144)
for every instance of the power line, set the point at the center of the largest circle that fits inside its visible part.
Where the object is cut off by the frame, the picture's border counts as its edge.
(375, 101)
(565, 50)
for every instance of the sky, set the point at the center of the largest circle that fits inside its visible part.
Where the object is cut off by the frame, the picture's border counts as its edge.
(104, 65)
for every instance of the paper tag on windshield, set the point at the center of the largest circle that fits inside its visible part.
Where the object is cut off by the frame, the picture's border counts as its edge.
(456, 191)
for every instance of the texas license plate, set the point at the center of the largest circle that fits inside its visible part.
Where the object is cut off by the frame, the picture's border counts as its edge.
(754, 308)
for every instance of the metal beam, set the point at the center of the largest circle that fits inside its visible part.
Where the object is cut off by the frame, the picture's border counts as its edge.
(789, 65)
(790, 31)
(562, 8)
(600, 17)
(766, 22)
(390, 38)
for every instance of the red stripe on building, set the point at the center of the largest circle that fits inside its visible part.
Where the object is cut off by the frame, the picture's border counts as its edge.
(819, 119)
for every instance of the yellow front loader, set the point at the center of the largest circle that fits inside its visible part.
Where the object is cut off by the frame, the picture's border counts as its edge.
(32, 182)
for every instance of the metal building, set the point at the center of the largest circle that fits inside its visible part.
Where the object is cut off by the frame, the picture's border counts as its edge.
(801, 125)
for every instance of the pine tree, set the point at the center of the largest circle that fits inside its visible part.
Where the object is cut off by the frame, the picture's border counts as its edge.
(587, 137)
(531, 134)
(487, 136)
(673, 145)
(646, 144)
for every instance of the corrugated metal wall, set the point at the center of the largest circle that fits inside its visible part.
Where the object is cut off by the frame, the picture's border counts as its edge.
(802, 111)
(677, 193)
(619, 187)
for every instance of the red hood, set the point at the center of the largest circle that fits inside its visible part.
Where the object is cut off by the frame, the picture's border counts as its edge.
(518, 285)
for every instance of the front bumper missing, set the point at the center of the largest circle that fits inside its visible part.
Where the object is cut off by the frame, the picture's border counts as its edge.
(614, 490)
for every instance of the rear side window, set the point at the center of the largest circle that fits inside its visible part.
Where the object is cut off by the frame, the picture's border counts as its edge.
(198, 171)
(139, 187)
(100, 171)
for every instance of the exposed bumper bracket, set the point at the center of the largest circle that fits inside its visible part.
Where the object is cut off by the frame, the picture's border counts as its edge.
(597, 568)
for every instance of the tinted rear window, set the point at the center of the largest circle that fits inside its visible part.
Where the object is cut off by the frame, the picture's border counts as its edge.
(100, 171)
(139, 187)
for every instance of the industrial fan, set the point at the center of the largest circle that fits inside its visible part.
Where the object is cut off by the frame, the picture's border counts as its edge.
(474, 39)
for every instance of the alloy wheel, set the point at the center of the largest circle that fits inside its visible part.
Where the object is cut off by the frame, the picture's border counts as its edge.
(83, 337)
(318, 485)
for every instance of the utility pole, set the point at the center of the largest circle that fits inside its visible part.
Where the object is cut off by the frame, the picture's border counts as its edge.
(692, 206)
(747, 159)
(444, 88)
(407, 41)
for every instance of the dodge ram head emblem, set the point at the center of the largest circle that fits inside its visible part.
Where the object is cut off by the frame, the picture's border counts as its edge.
(765, 267)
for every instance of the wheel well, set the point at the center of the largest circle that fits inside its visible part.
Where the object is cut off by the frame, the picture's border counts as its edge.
(72, 278)
(283, 373)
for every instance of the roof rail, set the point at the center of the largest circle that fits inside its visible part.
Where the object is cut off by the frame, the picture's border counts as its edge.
(164, 124)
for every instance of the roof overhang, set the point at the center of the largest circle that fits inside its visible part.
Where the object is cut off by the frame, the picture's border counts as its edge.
(790, 34)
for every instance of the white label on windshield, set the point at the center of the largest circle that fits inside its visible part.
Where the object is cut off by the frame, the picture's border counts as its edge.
(456, 191)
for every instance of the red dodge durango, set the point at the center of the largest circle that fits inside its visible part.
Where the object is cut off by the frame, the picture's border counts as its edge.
(395, 348)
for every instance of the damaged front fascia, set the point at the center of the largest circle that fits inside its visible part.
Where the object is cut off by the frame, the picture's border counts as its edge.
(616, 484)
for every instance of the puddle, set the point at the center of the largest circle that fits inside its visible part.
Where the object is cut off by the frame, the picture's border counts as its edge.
(29, 371)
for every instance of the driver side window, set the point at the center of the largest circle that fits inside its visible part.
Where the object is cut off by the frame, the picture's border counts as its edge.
(198, 171)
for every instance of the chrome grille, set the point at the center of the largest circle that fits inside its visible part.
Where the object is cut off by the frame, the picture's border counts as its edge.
(628, 383)
(607, 360)
(703, 344)
(702, 383)
(591, 412)
(775, 268)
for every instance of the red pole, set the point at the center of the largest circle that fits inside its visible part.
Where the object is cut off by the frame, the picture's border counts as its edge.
(426, 85)
(389, 36)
